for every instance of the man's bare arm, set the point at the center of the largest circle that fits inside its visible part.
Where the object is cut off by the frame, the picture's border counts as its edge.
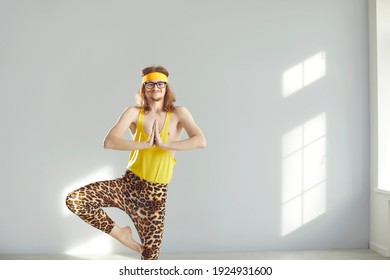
(195, 140)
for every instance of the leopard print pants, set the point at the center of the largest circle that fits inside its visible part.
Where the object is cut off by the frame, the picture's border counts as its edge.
(142, 200)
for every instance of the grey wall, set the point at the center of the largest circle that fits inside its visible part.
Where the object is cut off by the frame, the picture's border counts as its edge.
(280, 172)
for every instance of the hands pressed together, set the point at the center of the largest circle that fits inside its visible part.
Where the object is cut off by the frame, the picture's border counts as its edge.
(154, 137)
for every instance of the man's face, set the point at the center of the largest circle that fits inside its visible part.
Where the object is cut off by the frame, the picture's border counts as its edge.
(155, 90)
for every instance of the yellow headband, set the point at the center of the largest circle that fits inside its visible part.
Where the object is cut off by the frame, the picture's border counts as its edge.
(155, 76)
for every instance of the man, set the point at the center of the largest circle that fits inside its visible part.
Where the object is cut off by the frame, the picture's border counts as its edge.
(156, 126)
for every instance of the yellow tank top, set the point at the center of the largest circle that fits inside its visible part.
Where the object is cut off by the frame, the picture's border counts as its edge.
(152, 164)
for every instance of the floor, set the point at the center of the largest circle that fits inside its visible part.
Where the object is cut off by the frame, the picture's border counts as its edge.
(354, 254)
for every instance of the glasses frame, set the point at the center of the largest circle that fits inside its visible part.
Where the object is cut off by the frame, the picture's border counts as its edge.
(155, 84)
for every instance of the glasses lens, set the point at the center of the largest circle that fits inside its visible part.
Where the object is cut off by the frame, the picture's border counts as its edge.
(149, 85)
(161, 84)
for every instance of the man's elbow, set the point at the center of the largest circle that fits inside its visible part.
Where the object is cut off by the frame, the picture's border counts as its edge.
(202, 144)
(107, 143)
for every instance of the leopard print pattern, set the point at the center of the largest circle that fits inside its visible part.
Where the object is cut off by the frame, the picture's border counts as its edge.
(143, 201)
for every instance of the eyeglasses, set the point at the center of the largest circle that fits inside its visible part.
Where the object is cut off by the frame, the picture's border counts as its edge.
(151, 85)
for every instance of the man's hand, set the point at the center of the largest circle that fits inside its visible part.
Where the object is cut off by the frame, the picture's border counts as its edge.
(158, 141)
(151, 139)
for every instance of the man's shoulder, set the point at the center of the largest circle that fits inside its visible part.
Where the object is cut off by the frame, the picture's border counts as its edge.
(131, 112)
(182, 113)
(179, 110)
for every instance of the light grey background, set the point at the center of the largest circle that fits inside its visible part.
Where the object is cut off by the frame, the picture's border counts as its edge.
(69, 68)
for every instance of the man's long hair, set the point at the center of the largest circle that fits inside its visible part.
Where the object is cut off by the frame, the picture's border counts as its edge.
(169, 98)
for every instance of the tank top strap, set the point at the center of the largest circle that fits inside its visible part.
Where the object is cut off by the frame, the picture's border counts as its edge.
(140, 121)
(164, 132)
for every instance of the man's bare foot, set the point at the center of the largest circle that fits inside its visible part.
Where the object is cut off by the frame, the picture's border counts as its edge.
(124, 236)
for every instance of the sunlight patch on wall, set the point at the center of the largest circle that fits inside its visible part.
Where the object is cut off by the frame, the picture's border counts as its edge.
(304, 73)
(104, 173)
(303, 174)
(384, 152)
